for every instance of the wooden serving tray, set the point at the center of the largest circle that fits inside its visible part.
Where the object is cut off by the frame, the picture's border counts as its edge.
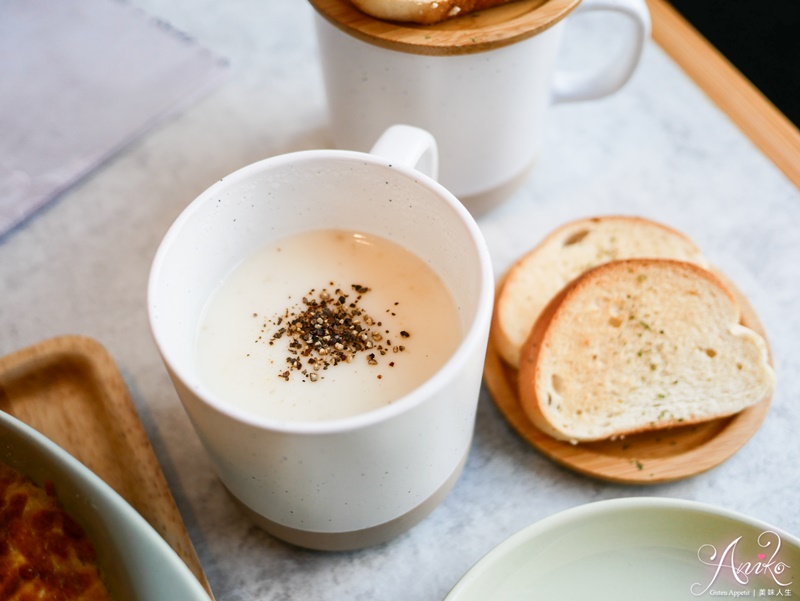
(648, 458)
(769, 129)
(70, 389)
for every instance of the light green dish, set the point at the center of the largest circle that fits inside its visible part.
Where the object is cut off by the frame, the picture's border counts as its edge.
(137, 564)
(639, 549)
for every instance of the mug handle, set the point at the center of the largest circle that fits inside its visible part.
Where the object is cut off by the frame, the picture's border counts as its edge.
(411, 146)
(569, 86)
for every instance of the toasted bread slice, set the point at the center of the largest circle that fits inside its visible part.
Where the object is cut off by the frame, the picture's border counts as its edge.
(566, 253)
(638, 345)
(424, 12)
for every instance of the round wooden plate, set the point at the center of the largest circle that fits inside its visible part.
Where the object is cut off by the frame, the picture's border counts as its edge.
(648, 458)
(472, 32)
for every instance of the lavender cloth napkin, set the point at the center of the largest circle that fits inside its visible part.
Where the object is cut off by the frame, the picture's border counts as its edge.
(78, 80)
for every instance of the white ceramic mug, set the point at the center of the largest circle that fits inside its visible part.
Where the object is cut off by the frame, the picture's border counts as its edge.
(481, 84)
(354, 481)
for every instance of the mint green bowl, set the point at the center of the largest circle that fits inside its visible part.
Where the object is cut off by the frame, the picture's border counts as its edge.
(638, 549)
(137, 564)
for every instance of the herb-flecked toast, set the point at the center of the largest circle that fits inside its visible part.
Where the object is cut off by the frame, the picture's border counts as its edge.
(637, 345)
(567, 252)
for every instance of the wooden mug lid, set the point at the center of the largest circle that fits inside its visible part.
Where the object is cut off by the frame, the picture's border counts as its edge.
(466, 34)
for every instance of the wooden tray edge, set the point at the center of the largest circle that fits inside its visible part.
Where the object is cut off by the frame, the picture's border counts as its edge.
(758, 118)
(162, 512)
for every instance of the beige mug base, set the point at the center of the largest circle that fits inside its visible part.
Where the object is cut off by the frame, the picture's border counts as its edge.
(483, 202)
(356, 539)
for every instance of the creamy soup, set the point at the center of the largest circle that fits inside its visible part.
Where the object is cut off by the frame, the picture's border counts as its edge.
(325, 324)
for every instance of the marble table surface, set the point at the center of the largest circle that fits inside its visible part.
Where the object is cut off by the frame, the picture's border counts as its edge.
(658, 148)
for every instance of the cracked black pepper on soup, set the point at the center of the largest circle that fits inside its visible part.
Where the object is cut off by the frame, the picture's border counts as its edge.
(325, 324)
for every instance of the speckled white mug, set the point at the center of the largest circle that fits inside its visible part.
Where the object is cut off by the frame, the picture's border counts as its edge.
(354, 481)
(481, 84)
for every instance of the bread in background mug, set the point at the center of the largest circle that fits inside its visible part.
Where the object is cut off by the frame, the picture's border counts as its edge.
(424, 12)
(565, 254)
(638, 345)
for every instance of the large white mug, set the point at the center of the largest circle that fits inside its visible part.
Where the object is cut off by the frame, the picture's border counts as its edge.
(352, 481)
(480, 83)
